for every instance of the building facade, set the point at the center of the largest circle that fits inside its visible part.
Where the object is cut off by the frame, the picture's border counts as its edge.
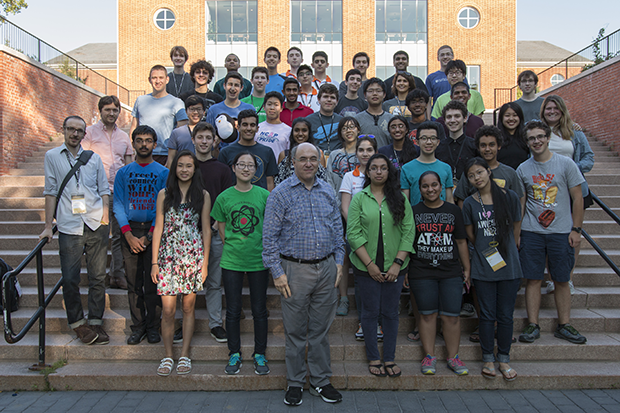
(481, 32)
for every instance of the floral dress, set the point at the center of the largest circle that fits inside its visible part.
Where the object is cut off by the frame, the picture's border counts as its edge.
(180, 253)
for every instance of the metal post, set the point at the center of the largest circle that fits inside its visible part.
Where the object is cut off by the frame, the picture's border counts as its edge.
(39, 51)
(77, 68)
(41, 295)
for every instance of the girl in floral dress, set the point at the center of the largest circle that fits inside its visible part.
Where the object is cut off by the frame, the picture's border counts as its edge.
(181, 242)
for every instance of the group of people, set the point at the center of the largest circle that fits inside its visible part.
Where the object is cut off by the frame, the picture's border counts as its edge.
(406, 188)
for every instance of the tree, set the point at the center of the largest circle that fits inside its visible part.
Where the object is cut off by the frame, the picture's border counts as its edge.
(599, 56)
(12, 6)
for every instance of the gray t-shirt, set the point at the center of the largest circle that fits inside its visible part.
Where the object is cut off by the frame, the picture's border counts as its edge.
(348, 107)
(161, 114)
(484, 223)
(504, 176)
(325, 131)
(547, 207)
(375, 125)
(531, 110)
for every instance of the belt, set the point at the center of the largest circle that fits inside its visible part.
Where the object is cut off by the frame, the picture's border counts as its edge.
(141, 224)
(300, 261)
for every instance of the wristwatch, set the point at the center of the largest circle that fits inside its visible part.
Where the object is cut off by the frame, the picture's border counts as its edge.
(399, 261)
(149, 237)
(576, 229)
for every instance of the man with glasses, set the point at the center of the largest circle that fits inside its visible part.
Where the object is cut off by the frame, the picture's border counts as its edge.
(550, 229)
(308, 95)
(181, 137)
(456, 70)
(306, 267)
(267, 166)
(201, 73)
(83, 228)
(374, 120)
(401, 62)
(529, 102)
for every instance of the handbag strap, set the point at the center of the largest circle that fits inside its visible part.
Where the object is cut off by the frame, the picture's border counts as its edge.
(82, 160)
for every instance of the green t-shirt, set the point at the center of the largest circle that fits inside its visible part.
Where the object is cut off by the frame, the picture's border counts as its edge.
(243, 213)
(258, 106)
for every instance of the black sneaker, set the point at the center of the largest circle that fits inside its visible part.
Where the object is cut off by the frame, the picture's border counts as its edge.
(530, 333)
(327, 393)
(178, 336)
(293, 396)
(153, 336)
(136, 337)
(219, 334)
(569, 333)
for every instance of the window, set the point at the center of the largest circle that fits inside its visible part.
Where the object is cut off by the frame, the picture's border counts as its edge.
(164, 19)
(316, 21)
(468, 17)
(232, 22)
(401, 21)
(473, 77)
(557, 78)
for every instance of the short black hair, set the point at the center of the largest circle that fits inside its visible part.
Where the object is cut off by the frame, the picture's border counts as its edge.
(351, 73)
(144, 130)
(273, 49)
(234, 75)
(68, 118)
(456, 64)
(417, 94)
(194, 100)
(295, 48)
(246, 113)
(374, 81)
(320, 54)
(304, 67)
(288, 81)
(202, 64)
(454, 105)
(107, 100)
(488, 130)
(428, 125)
(457, 84)
(401, 52)
(274, 94)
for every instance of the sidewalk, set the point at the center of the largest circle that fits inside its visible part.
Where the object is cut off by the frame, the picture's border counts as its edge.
(522, 401)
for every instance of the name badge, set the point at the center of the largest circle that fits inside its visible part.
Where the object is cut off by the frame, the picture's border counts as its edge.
(78, 204)
(494, 258)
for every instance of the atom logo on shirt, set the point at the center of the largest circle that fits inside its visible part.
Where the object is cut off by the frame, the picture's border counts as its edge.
(244, 220)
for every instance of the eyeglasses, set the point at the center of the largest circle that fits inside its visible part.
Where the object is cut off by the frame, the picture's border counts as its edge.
(532, 139)
(195, 110)
(398, 126)
(248, 166)
(374, 91)
(376, 168)
(455, 73)
(349, 127)
(71, 131)
(305, 160)
(144, 141)
(428, 139)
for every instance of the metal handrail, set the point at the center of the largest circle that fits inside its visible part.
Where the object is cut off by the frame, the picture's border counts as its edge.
(44, 301)
(605, 208)
(596, 247)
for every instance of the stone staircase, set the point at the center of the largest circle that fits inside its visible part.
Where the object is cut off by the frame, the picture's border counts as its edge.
(548, 363)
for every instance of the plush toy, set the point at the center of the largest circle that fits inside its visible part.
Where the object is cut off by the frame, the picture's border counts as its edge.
(225, 126)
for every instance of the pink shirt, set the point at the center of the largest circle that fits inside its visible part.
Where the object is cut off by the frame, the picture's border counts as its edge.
(112, 151)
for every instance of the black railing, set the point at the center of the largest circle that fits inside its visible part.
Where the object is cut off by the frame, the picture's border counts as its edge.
(24, 42)
(599, 51)
(596, 247)
(39, 314)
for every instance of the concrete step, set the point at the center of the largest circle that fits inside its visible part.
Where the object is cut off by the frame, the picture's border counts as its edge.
(610, 201)
(21, 227)
(591, 258)
(605, 179)
(605, 241)
(22, 202)
(22, 180)
(37, 215)
(605, 189)
(595, 277)
(596, 213)
(601, 227)
(27, 172)
(21, 191)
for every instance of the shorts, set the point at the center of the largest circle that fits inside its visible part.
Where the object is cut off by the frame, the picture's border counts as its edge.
(438, 295)
(539, 250)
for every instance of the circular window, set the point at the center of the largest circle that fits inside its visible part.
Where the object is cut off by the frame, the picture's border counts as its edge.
(469, 17)
(557, 78)
(164, 19)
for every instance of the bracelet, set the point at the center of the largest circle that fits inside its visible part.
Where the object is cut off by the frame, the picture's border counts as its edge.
(369, 262)
(399, 261)
(154, 264)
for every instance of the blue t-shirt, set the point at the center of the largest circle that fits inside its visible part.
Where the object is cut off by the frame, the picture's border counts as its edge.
(276, 84)
(410, 176)
(161, 114)
(437, 84)
(219, 108)
(181, 139)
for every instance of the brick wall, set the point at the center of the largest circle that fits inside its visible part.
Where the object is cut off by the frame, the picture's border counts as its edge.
(593, 102)
(274, 28)
(34, 101)
(544, 79)
(358, 33)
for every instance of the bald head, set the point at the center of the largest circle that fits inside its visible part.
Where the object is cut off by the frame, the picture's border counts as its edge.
(306, 157)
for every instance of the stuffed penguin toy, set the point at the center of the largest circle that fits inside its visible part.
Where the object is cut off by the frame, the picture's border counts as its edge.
(225, 126)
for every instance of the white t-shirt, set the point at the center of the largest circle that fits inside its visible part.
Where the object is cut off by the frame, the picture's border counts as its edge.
(561, 146)
(352, 184)
(275, 137)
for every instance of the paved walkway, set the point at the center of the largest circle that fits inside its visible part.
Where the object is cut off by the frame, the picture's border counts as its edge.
(524, 401)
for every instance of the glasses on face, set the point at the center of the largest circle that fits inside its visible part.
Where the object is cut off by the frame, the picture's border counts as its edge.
(428, 139)
(398, 126)
(71, 131)
(377, 168)
(455, 73)
(532, 139)
(305, 160)
(248, 166)
(349, 127)
(195, 110)
(374, 91)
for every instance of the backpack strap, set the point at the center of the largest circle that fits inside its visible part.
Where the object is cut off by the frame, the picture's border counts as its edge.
(82, 160)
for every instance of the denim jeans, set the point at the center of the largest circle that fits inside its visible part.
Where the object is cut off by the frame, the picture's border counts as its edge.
(380, 299)
(71, 249)
(497, 303)
(233, 284)
(116, 265)
(213, 283)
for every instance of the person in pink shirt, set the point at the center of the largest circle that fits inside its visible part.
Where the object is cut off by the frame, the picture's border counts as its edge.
(113, 145)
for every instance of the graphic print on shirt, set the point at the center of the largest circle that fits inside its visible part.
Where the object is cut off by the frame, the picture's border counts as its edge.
(545, 193)
(435, 241)
(244, 220)
(260, 169)
(323, 132)
(266, 137)
(344, 163)
(142, 191)
(486, 223)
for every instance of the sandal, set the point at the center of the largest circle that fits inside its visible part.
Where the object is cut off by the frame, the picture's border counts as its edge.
(506, 374)
(379, 367)
(414, 335)
(488, 372)
(392, 374)
(184, 366)
(165, 367)
(475, 336)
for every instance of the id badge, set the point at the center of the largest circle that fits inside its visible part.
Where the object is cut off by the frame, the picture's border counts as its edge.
(494, 258)
(78, 204)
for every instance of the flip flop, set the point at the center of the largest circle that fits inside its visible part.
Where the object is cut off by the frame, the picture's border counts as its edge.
(506, 376)
(474, 337)
(488, 373)
(391, 367)
(377, 366)
(412, 335)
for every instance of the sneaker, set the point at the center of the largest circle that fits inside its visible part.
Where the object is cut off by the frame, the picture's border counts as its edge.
(359, 334)
(178, 336)
(293, 396)
(572, 287)
(569, 333)
(152, 336)
(86, 334)
(103, 337)
(468, 310)
(219, 334)
(550, 287)
(530, 333)
(136, 337)
(343, 307)
(429, 365)
(327, 393)
(234, 364)
(379, 333)
(457, 366)
(260, 365)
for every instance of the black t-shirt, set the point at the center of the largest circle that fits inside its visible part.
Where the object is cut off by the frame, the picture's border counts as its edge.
(436, 252)
(512, 152)
(209, 98)
(216, 176)
(456, 153)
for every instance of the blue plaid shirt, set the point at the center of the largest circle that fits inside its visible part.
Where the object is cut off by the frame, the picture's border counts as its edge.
(301, 223)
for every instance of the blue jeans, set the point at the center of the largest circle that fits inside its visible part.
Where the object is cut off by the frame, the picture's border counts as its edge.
(380, 298)
(497, 303)
(233, 284)
(71, 249)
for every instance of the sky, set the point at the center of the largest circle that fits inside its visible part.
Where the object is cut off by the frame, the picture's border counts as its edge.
(68, 24)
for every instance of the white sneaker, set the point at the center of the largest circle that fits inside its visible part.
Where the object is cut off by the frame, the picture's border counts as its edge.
(572, 287)
(550, 287)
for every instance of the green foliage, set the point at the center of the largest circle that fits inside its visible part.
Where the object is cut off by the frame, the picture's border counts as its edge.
(599, 57)
(13, 6)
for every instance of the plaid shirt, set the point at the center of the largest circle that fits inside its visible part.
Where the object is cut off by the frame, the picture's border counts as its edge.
(301, 223)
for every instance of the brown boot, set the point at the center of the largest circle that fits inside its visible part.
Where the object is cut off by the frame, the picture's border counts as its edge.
(121, 282)
(86, 334)
(103, 337)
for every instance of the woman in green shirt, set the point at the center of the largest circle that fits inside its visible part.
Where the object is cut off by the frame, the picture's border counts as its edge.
(380, 231)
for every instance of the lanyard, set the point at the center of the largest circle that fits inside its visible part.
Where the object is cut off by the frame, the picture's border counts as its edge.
(492, 226)
(331, 128)
(261, 106)
(306, 103)
(77, 173)
(458, 157)
(180, 85)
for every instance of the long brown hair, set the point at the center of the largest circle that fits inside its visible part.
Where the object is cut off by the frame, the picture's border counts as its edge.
(565, 126)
